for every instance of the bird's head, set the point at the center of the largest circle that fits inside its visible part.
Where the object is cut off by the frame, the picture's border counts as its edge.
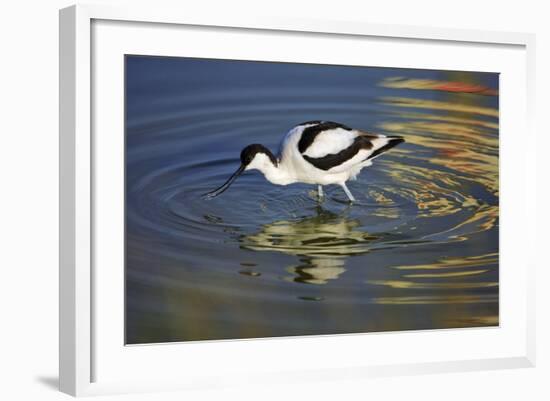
(253, 156)
(257, 157)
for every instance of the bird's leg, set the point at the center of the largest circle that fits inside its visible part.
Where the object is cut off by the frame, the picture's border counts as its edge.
(320, 192)
(348, 193)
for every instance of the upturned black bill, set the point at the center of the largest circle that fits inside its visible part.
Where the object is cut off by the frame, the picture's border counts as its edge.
(226, 185)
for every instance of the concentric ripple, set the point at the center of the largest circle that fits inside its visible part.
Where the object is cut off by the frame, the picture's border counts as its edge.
(419, 249)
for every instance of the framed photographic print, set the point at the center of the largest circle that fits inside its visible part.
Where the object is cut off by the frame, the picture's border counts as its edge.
(279, 199)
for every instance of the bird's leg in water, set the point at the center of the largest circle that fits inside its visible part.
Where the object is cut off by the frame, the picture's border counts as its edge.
(320, 192)
(348, 193)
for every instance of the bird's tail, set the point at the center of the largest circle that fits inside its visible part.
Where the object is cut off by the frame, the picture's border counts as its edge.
(390, 142)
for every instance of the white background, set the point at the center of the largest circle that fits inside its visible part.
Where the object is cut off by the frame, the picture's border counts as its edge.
(28, 203)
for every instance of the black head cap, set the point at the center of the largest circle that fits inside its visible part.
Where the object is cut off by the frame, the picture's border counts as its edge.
(248, 153)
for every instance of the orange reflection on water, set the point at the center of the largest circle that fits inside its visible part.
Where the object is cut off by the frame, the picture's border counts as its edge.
(435, 84)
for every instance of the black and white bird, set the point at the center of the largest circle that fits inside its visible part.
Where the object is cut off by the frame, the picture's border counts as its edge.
(315, 152)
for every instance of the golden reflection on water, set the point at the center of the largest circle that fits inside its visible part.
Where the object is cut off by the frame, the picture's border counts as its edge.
(477, 320)
(434, 285)
(446, 263)
(459, 142)
(386, 211)
(449, 119)
(465, 147)
(469, 152)
(441, 275)
(436, 299)
(439, 105)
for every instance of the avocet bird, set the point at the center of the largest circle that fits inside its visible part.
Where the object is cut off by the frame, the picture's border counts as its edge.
(315, 152)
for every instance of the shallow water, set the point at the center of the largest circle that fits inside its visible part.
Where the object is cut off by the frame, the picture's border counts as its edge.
(419, 250)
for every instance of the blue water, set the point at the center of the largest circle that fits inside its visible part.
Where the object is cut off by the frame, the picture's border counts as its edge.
(419, 250)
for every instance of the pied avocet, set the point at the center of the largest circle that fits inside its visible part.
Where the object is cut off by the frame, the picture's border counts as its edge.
(315, 152)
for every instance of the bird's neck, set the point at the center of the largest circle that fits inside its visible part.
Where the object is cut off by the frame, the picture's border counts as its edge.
(277, 174)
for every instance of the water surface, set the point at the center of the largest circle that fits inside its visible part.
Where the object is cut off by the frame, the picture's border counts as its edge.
(419, 250)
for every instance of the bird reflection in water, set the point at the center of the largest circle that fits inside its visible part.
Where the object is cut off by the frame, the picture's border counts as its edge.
(322, 243)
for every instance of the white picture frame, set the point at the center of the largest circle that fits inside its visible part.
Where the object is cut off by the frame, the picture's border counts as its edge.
(78, 161)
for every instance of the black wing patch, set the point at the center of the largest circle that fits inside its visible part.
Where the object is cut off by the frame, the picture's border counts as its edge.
(335, 159)
(309, 133)
(361, 142)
